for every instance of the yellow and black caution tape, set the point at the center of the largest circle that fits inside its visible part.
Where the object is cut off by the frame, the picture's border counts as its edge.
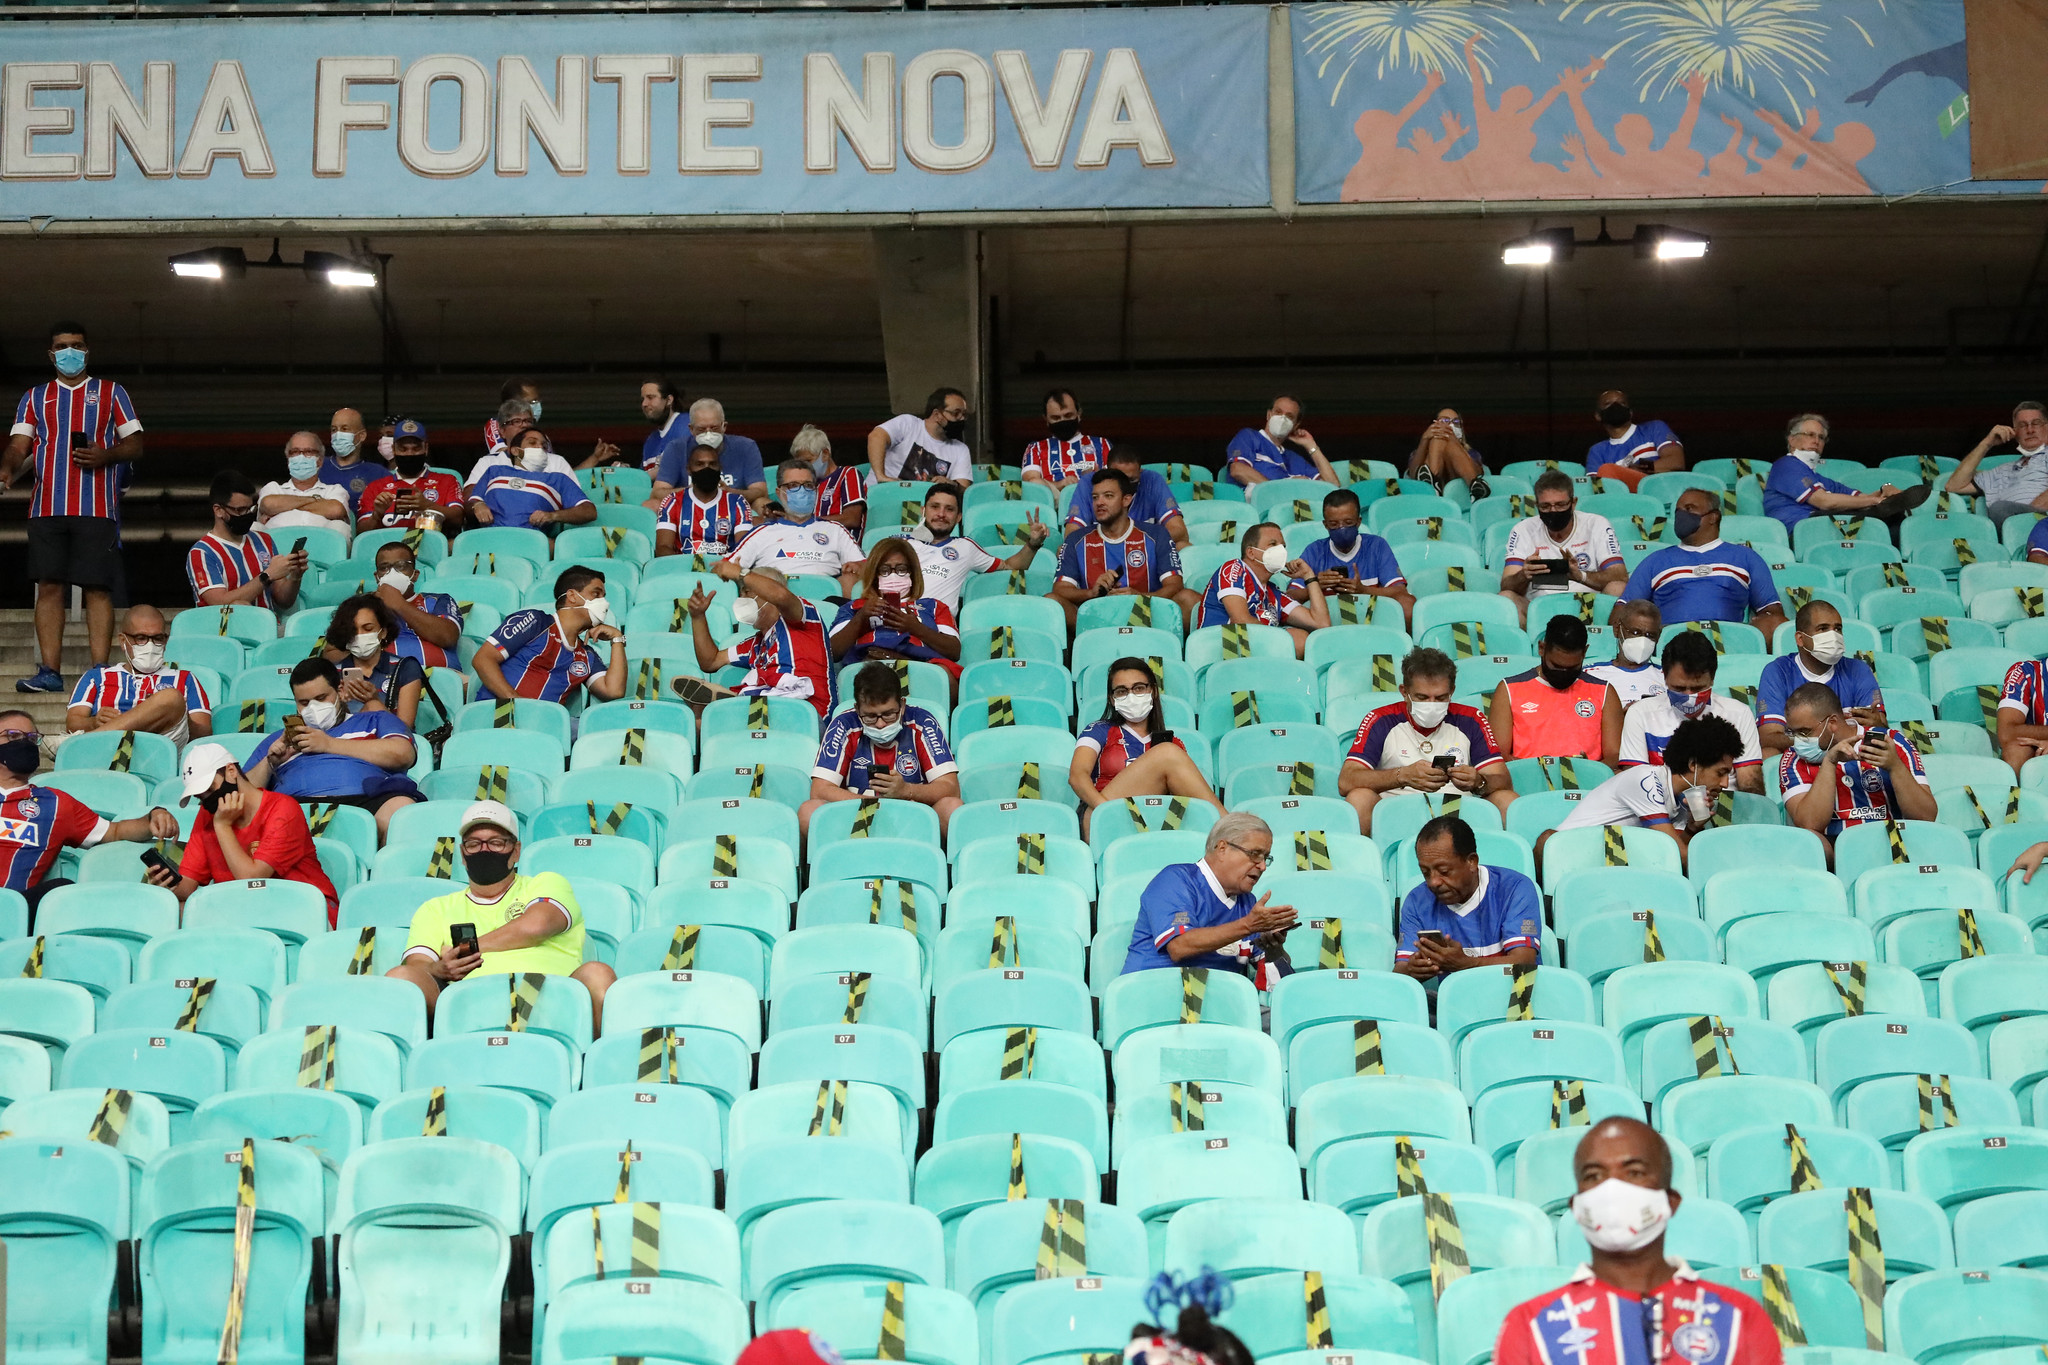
(1063, 1241)
(1002, 948)
(1318, 1311)
(1708, 1036)
(1020, 1054)
(1407, 1169)
(188, 1017)
(856, 996)
(362, 962)
(647, 1240)
(316, 1057)
(1001, 710)
(1367, 1052)
(682, 949)
(1311, 851)
(1568, 1105)
(124, 753)
(1027, 783)
(1237, 641)
(1303, 780)
(1653, 943)
(614, 820)
(623, 1192)
(111, 1118)
(1937, 1103)
(1805, 1175)
(864, 814)
(441, 862)
(1447, 1259)
(245, 1238)
(1934, 633)
(492, 781)
(1383, 677)
(1184, 1106)
(1779, 1308)
(436, 1124)
(1866, 1264)
(725, 855)
(658, 1056)
(1018, 1188)
(1896, 837)
(1331, 952)
(1971, 941)
(1194, 985)
(1031, 855)
(1613, 850)
(1522, 993)
(2031, 601)
(525, 993)
(1244, 709)
(760, 782)
(33, 968)
(633, 749)
(890, 1346)
(1964, 554)
(829, 1117)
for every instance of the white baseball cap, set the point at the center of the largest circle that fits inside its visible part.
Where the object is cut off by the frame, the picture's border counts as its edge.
(202, 763)
(494, 813)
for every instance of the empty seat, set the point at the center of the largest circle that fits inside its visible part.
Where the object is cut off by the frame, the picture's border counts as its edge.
(937, 1325)
(1830, 1314)
(1018, 1106)
(1360, 1173)
(1144, 1111)
(1470, 1313)
(1745, 1047)
(1060, 1320)
(690, 1244)
(1848, 1052)
(859, 1240)
(1982, 992)
(99, 965)
(1503, 1054)
(1503, 1116)
(662, 1319)
(70, 1200)
(45, 1011)
(254, 957)
(1338, 1111)
(1480, 996)
(127, 914)
(860, 1112)
(1603, 944)
(384, 1004)
(1955, 1165)
(2003, 1229)
(553, 1006)
(1812, 1229)
(1764, 945)
(179, 1068)
(1001, 997)
(1075, 1060)
(1699, 1111)
(1953, 1315)
(365, 1066)
(1305, 998)
(1199, 1052)
(1330, 1053)
(1161, 1175)
(24, 1068)
(2017, 1052)
(228, 1012)
(693, 998)
(486, 1113)
(1748, 1167)
(1896, 1109)
(997, 1246)
(959, 1176)
(1807, 996)
(1497, 1232)
(1240, 1239)
(537, 1067)
(328, 1125)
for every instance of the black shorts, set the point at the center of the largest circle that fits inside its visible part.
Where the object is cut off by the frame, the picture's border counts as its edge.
(82, 551)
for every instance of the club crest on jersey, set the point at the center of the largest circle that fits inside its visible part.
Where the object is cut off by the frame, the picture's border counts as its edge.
(1136, 559)
(1702, 570)
(950, 553)
(579, 667)
(431, 493)
(1696, 1341)
(30, 808)
(821, 538)
(23, 832)
(1583, 709)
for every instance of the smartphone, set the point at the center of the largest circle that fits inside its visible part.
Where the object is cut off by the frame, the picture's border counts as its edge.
(156, 861)
(463, 937)
(298, 545)
(1549, 572)
(1444, 762)
(293, 723)
(1435, 938)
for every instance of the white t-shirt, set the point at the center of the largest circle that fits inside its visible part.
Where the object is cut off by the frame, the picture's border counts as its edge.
(934, 456)
(554, 464)
(1591, 544)
(1649, 724)
(816, 547)
(1630, 684)
(1627, 798)
(948, 566)
(289, 519)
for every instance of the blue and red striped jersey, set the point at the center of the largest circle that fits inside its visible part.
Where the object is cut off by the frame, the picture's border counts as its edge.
(36, 823)
(88, 413)
(1387, 738)
(1863, 795)
(1142, 559)
(537, 659)
(1116, 746)
(1590, 1322)
(848, 758)
(1267, 604)
(701, 528)
(1057, 459)
(841, 489)
(408, 644)
(213, 563)
(788, 660)
(122, 688)
(930, 610)
(2026, 691)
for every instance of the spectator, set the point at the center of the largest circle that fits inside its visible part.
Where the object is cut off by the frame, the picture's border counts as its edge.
(886, 748)
(2023, 713)
(1560, 549)
(1130, 752)
(1202, 914)
(1633, 672)
(949, 559)
(1623, 1206)
(1441, 455)
(1065, 454)
(1821, 656)
(1422, 743)
(1702, 578)
(1556, 710)
(1676, 796)
(548, 655)
(1118, 557)
(528, 493)
(301, 499)
(891, 618)
(1837, 773)
(516, 417)
(411, 495)
(82, 434)
(2010, 489)
(1239, 592)
(787, 654)
(704, 517)
(429, 623)
(1465, 913)
(1631, 449)
(519, 390)
(842, 489)
(798, 543)
(916, 449)
(143, 694)
(245, 834)
(1690, 664)
(374, 676)
(739, 459)
(669, 429)
(523, 923)
(1349, 562)
(1153, 504)
(38, 823)
(354, 465)
(1282, 449)
(360, 760)
(1795, 488)
(233, 563)
(386, 436)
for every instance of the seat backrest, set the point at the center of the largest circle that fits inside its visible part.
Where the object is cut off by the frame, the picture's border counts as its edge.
(1851, 1050)
(1636, 997)
(389, 1177)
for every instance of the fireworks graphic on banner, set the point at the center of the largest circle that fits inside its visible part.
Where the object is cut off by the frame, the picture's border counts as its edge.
(1397, 35)
(1735, 43)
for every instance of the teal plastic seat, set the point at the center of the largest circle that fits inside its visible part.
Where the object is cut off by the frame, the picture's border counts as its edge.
(1864, 847)
(1830, 1314)
(1470, 1313)
(1572, 850)
(1742, 1047)
(1147, 999)
(486, 1113)
(482, 1003)
(1058, 1057)
(1607, 942)
(1002, 858)
(367, 1065)
(1025, 1106)
(1479, 996)
(178, 1067)
(1359, 1173)
(853, 859)
(1149, 1110)
(49, 1012)
(24, 1069)
(1699, 1111)
(150, 757)
(1507, 1054)
(321, 1122)
(1981, 992)
(1161, 1175)
(1334, 1112)
(857, 1241)
(996, 998)
(1764, 945)
(294, 911)
(1637, 998)
(1738, 893)
(757, 858)
(1239, 1057)
(1546, 1177)
(1307, 998)
(1498, 1232)
(1848, 1052)
(231, 1015)
(2017, 1055)
(1509, 1113)
(1810, 1229)
(1734, 847)
(996, 1249)
(379, 1003)
(69, 1200)
(1885, 894)
(1242, 1239)
(2003, 1230)
(1889, 1109)
(535, 1065)
(1945, 1315)
(1056, 1320)
(851, 1052)
(1953, 1166)
(938, 1324)
(958, 1177)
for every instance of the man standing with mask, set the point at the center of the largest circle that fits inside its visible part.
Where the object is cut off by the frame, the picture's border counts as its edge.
(1065, 454)
(81, 432)
(705, 517)
(1702, 578)
(38, 823)
(1689, 667)
(1631, 448)
(234, 563)
(544, 655)
(412, 495)
(429, 623)
(1555, 710)
(1795, 488)
(1821, 657)
(1423, 743)
(884, 748)
(1629, 1305)
(948, 560)
(1282, 449)
(141, 694)
(2020, 486)
(917, 449)
(1349, 562)
(1837, 773)
(1560, 536)
(799, 543)
(1241, 593)
(354, 465)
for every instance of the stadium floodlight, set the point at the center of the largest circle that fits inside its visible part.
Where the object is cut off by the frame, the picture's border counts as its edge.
(1539, 249)
(342, 272)
(214, 263)
(1660, 243)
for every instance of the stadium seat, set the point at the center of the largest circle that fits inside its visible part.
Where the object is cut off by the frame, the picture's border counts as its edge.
(1161, 1175)
(1929, 941)
(1944, 1315)
(2003, 1230)
(1472, 998)
(1699, 1111)
(966, 1174)
(1748, 1166)
(1060, 1320)
(230, 1013)
(70, 1201)
(1732, 895)
(179, 1067)
(1241, 1239)
(1811, 1229)
(1764, 945)
(50, 1012)
(1609, 941)
(1306, 998)
(937, 1325)
(1635, 999)
(1545, 1175)
(1148, 999)
(1498, 1232)
(1732, 847)
(1849, 1052)
(1507, 1114)
(367, 1064)
(1510, 1053)
(1469, 1315)
(486, 1113)
(24, 1069)
(1883, 894)
(1980, 993)
(489, 1002)
(1806, 998)
(1745, 1047)
(533, 1064)
(1070, 1059)
(1953, 1166)
(2016, 1053)
(843, 1240)
(1359, 1173)
(1574, 850)
(1338, 1110)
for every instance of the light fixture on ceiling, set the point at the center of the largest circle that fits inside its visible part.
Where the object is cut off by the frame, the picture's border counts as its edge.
(343, 272)
(1660, 243)
(214, 263)
(229, 262)
(1651, 241)
(1539, 248)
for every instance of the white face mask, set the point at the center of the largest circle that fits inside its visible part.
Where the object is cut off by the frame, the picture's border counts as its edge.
(894, 584)
(1827, 647)
(600, 610)
(1638, 648)
(746, 613)
(1274, 557)
(384, 446)
(1427, 715)
(1133, 707)
(302, 467)
(883, 734)
(1811, 458)
(533, 458)
(320, 715)
(396, 579)
(146, 658)
(1279, 426)
(368, 645)
(1618, 1216)
(714, 439)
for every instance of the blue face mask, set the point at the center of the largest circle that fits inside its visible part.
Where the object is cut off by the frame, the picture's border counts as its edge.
(344, 442)
(1342, 538)
(1689, 704)
(800, 501)
(821, 466)
(70, 361)
(535, 405)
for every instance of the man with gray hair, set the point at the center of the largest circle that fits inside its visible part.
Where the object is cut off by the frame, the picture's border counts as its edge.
(842, 490)
(302, 498)
(2009, 489)
(739, 459)
(1795, 488)
(1202, 914)
(515, 419)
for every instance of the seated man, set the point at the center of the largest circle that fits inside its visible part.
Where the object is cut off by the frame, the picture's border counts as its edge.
(521, 924)
(2023, 713)
(1281, 449)
(1631, 449)
(1633, 672)
(800, 543)
(1118, 557)
(1795, 488)
(38, 823)
(244, 831)
(884, 748)
(1560, 539)
(1351, 562)
(1153, 503)
(548, 655)
(429, 623)
(948, 560)
(411, 495)
(842, 488)
(1556, 709)
(787, 655)
(518, 489)
(1240, 593)
(325, 754)
(142, 694)
(1689, 667)
(1442, 454)
(1821, 657)
(1464, 914)
(1703, 579)
(1202, 914)
(706, 517)
(2018, 486)
(1676, 797)
(235, 563)
(1423, 742)
(1837, 773)
(1065, 454)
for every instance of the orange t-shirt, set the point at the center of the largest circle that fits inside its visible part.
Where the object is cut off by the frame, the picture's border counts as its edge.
(277, 836)
(1553, 724)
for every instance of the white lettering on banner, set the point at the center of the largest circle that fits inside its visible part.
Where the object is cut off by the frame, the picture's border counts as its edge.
(26, 120)
(227, 125)
(1044, 128)
(700, 112)
(473, 120)
(978, 121)
(1123, 115)
(112, 111)
(334, 113)
(635, 77)
(562, 124)
(831, 107)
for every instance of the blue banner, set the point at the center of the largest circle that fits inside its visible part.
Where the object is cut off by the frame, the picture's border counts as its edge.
(1508, 100)
(476, 117)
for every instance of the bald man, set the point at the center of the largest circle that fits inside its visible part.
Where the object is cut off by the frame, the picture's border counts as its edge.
(143, 693)
(1629, 1295)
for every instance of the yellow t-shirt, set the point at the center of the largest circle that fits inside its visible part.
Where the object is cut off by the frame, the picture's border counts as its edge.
(556, 956)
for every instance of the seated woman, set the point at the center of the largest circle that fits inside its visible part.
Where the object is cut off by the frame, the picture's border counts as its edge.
(1130, 752)
(892, 618)
(373, 677)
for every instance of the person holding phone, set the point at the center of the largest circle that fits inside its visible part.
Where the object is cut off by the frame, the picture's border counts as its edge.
(1676, 795)
(235, 563)
(243, 832)
(1560, 549)
(1404, 746)
(1203, 914)
(322, 753)
(1838, 773)
(1465, 913)
(374, 676)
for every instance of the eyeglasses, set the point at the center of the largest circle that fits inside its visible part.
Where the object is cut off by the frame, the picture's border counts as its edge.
(36, 736)
(1257, 857)
(1812, 436)
(1118, 693)
(487, 845)
(160, 638)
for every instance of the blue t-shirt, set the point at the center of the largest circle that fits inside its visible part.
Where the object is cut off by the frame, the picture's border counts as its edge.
(2037, 539)
(513, 494)
(353, 477)
(1178, 899)
(1717, 581)
(1637, 448)
(1790, 483)
(1153, 502)
(1853, 681)
(1267, 457)
(1372, 560)
(1504, 914)
(739, 461)
(674, 433)
(307, 776)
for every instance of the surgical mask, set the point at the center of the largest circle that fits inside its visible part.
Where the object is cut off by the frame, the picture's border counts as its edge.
(239, 523)
(1279, 426)
(1618, 1216)
(704, 482)
(533, 458)
(1699, 803)
(320, 715)
(70, 361)
(1427, 715)
(714, 439)
(19, 756)
(1557, 521)
(1686, 523)
(1458, 430)
(1827, 646)
(1688, 704)
(1616, 414)
(883, 734)
(1559, 678)
(302, 466)
(1133, 707)
(535, 405)
(1274, 557)
(894, 584)
(1638, 648)
(821, 466)
(800, 500)
(746, 613)
(955, 430)
(384, 447)
(343, 443)
(410, 466)
(1065, 428)
(147, 657)
(396, 579)
(600, 610)
(1342, 538)
(1809, 458)
(1808, 747)
(368, 645)
(487, 868)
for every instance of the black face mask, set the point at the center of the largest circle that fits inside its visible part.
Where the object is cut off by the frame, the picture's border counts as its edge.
(955, 430)
(704, 481)
(409, 466)
(1559, 678)
(1686, 523)
(1557, 521)
(210, 801)
(238, 525)
(1616, 414)
(486, 869)
(20, 757)
(1066, 428)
